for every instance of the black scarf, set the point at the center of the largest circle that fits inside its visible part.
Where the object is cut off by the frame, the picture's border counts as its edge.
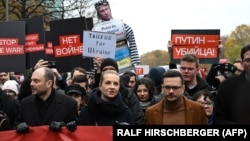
(97, 106)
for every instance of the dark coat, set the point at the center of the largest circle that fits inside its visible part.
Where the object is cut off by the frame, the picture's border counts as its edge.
(232, 104)
(201, 85)
(99, 112)
(130, 99)
(10, 106)
(62, 108)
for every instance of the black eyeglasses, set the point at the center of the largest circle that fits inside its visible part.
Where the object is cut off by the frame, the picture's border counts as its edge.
(174, 88)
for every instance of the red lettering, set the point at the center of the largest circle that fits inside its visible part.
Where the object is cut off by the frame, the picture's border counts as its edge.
(8, 41)
(187, 39)
(35, 48)
(12, 50)
(32, 37)
(49, 51)
(30, 43)
(70, 39)
(60, 51)
(49, 44)
(139, 71)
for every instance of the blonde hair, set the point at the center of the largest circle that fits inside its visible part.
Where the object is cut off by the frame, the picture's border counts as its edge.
(107, 72)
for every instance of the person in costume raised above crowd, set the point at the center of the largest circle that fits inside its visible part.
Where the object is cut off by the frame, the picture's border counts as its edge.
(123, 31)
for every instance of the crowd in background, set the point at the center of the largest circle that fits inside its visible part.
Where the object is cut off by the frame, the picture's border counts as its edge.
(160, 97)
(188, 95)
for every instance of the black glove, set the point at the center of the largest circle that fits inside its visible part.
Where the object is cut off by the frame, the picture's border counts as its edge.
(71, 126)
(56, 126)
(22, 128)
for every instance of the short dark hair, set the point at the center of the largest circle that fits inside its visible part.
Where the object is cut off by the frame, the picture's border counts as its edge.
(130, 73)
(173, 73)
(206, 93)
(101, 3)
(80, 79)
(80, 69)
(190, 57)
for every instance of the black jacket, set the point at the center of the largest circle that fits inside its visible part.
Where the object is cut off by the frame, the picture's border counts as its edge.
(233, 101)
(61, 108)
(99, 112)
(130, 99)
(10, 106)
(201, 85)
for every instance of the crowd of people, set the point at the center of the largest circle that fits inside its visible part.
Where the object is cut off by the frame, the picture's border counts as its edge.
(162, 97)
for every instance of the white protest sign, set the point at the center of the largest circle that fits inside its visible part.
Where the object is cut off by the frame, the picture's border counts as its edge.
(112, 26)
(99, 44)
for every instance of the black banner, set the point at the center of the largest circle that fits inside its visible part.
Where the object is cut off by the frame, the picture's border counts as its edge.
(34, 41)
(12, 51)
(67, 40)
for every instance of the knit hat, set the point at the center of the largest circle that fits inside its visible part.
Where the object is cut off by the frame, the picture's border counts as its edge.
(156, 74)
(101, 3)
(109, 62)
(11, 85)
(75, 89)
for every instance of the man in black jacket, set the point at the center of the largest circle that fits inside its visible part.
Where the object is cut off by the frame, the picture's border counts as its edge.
(46, 106)
(189, 66)
(232, 101)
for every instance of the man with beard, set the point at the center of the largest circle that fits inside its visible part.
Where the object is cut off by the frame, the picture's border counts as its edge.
(175, 108)
(45, 105)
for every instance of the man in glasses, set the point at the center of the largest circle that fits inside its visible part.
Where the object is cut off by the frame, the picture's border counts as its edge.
(175, 108)
(232, 101)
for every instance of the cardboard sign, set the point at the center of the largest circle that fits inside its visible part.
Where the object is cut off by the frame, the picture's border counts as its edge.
(67, 40)
(34, 41)
(12, 51)
(122, 55)
(99, 44)
(142, 69)
(112, 26)
(203, 43)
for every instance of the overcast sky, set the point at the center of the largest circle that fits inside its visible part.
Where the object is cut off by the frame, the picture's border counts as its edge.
(153, 20)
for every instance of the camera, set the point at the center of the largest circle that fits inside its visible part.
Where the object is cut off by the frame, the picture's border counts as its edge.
(226, 69)
(51, 64)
